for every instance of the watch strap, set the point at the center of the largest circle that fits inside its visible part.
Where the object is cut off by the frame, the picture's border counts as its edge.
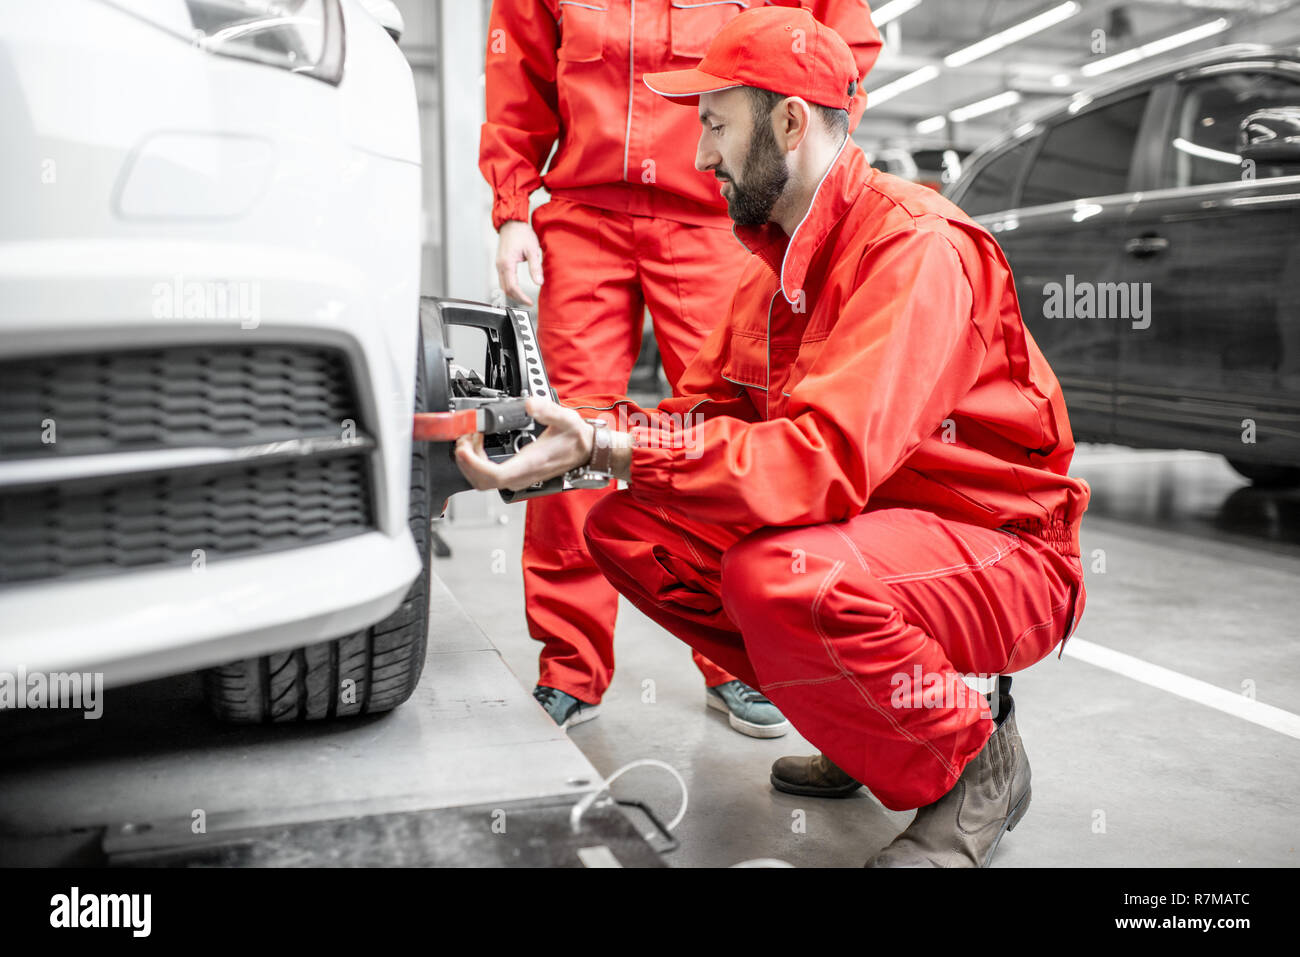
(602, 449)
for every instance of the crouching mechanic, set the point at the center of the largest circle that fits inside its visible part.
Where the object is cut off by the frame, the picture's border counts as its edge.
(861, 493)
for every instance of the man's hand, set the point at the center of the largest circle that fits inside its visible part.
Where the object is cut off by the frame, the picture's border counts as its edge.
(566, 444)
(516, 242)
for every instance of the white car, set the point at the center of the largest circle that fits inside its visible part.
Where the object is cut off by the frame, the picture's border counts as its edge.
(210, 229)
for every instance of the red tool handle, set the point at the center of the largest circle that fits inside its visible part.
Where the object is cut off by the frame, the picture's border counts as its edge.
(444, 426)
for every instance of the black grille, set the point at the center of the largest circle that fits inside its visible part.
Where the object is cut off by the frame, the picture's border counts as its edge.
(161, 520)
(176, 398)
(171, 398)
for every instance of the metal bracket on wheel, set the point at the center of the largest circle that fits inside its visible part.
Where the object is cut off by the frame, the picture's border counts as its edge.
(459, 403)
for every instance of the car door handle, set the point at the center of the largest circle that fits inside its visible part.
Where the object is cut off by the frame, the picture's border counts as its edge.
(1142, 246)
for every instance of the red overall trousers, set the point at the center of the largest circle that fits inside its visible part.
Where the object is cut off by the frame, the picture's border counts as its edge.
(858, 631)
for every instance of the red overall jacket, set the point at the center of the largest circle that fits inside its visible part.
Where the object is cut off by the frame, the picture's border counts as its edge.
(876, 359)
(570, 70)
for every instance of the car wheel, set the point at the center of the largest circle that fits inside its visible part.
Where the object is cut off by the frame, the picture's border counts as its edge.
(1267, 476)
(365, 673)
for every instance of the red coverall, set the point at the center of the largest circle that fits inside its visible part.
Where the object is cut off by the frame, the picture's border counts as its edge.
(876, 498)
(631, 223)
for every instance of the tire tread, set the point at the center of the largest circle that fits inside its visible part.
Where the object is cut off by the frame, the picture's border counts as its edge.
(384, 661)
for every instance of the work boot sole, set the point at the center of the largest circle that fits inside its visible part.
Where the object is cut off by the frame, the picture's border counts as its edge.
(581, 716)
(743, 726)
(1012, 820)
(809, 790)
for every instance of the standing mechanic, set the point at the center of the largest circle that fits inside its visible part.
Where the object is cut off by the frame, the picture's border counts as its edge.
(629, 223)
(879, 502)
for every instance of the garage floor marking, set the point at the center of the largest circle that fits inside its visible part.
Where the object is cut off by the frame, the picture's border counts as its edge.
(1192, 689)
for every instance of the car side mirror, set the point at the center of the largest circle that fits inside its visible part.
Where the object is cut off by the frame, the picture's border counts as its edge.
(388, 16)
(1270, 136)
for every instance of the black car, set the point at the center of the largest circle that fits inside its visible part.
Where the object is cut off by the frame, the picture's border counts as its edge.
(1154, 232)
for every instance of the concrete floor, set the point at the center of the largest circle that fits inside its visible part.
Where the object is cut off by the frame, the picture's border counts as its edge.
(1188, 568)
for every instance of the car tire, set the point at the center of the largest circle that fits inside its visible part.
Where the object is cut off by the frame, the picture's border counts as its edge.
(1267, 476)
(368, 672)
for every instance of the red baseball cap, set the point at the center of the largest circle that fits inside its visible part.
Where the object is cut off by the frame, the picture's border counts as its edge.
(783, 49)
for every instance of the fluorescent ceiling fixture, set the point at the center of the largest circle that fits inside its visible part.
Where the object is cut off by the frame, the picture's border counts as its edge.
(1061, 79)
(1163, 45)
(892, 11)
(1012, 34)
(1228, 4)
(909, 81)
(932, 124)
(1204, 152)
(980, 107)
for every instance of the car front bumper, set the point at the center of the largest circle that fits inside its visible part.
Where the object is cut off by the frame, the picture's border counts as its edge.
(139, 168)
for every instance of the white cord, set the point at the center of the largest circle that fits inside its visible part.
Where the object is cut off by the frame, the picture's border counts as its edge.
(764, 862)
(579, 809)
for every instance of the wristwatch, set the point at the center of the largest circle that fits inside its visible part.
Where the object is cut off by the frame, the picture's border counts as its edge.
(597, 472)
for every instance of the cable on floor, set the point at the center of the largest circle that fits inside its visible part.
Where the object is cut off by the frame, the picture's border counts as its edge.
(579, 809)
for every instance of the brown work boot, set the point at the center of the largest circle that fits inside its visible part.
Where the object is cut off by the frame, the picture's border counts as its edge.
(963, 828)
(815, 777)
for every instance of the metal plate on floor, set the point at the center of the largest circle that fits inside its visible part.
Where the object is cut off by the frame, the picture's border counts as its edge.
(534, 833)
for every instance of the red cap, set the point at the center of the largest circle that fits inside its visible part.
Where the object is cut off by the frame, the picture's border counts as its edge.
(783, 49)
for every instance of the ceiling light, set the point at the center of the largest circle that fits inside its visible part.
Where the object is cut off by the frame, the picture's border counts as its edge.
(893, 88)
(1060, 79)
(980, 107)
(932, 124)
(1012, 34)
(1155, 47)
(892, 11)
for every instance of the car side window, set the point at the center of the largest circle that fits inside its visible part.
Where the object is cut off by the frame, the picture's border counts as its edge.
(1086, 155)
(991, 188)
(1202, 147)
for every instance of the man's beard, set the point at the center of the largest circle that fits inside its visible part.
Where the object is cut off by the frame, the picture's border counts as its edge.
(765, 175)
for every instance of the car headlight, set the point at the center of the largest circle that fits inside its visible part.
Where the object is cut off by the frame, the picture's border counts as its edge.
(304, 36)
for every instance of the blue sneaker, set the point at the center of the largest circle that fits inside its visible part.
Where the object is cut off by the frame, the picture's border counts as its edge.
(564, 709)
(748, 711)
